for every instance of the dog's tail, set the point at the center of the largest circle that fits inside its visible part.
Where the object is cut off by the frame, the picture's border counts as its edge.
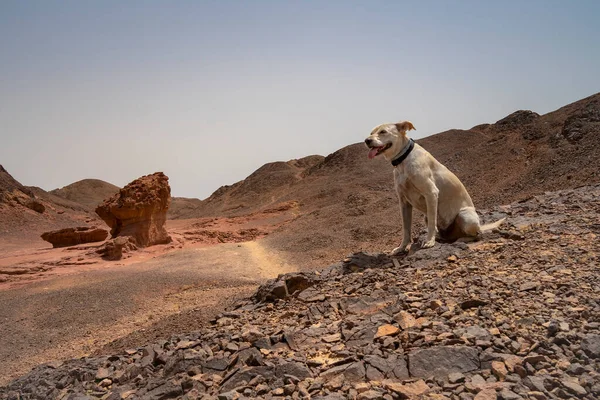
(493, 225)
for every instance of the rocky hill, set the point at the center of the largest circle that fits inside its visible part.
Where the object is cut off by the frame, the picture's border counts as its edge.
(26, 212)
(347, 201)
(87, 192)
(515, 316)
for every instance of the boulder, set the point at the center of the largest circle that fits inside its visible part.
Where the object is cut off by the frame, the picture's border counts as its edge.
(139, 210)
(115, 248)
(73, 236)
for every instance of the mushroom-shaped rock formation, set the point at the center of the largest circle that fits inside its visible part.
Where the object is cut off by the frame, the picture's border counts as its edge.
(139, 210)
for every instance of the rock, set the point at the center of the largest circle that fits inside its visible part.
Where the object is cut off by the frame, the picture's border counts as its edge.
(74, 236)
(34, 204)
(529, 286)
(486, 394)
(591, 345)
(115, 248)
(252, 335)
(386, 330)
(405, 320)
(284, 286)
(456, 377)
(296, 369)
(573, 387)
(537, 395)
(443, 360)
(499, 370)
(139, 210)
(506, 394)
(472, 303)
(370, 395)
(408, 390)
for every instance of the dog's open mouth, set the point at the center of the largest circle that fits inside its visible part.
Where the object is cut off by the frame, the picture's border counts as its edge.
(375, 151)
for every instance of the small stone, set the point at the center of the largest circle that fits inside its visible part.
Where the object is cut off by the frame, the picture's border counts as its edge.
(252, 335)
(573, 387)
(262, 389)
(512, 361)
(369, 395)
(362, 387)
(405, 320)
(494, 331)
(387, 330)
(527, 286)
(472, 303)
(456, 377)
(277, 391)
(533, 359)
(336, 337)
(506, 394)
(435, 304)
(105, 382)
(233, 395)
(499, 370)
(537, 395)
(407, 390)
(486, 394)
(102, 373)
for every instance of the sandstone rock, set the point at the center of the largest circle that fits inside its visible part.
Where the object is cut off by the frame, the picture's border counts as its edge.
(74, 236)
(499, 370)
(405, 320)
(386, 330)
(115, 248)
(486, 394)
(408, 390)
(139, 210)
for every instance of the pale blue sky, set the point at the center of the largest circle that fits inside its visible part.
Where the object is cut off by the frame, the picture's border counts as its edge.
(208, 91)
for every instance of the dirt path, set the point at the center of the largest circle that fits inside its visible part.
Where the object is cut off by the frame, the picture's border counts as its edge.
(73, 315)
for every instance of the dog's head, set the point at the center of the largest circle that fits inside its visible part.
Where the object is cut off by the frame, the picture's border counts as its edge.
(388, 139)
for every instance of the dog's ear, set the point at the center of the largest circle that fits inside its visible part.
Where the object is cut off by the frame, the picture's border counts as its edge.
(404, 126)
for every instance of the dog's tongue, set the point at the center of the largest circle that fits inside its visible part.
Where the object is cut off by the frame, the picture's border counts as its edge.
(373, 153)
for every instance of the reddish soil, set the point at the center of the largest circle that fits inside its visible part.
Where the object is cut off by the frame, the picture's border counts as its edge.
(68, 302)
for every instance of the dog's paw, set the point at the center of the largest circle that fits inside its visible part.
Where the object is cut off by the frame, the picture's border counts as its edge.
(402, 249)
(428, 244)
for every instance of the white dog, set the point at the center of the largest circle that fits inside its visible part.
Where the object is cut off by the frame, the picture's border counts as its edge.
(425, 184)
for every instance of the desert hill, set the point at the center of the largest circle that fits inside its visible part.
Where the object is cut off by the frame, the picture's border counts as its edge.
(347, 201)
(264, 187)
(87, 192)
(26, 212)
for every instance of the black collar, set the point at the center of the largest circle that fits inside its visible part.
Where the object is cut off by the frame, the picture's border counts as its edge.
(402, 156)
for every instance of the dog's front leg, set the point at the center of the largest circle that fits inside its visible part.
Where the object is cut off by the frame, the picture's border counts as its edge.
(431, 198)
(406, 208)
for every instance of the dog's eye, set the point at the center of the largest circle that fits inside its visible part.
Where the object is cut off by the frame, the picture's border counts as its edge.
(382, 132)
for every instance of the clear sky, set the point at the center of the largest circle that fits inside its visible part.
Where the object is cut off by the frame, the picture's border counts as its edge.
(208, 91)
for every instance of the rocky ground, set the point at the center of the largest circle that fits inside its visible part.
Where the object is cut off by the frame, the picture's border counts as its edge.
(516, 315)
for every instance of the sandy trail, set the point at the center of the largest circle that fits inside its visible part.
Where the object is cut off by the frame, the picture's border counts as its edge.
(73, 315)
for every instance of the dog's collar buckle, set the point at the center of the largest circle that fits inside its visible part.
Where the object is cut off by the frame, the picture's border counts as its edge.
(402, 156)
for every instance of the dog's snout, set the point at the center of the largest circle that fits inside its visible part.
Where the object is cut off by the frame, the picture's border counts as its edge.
(368, 141)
